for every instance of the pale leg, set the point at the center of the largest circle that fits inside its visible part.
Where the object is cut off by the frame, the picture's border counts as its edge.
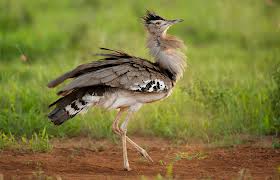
(122, 133)
(116, 130)
(142, 151)
(115, 125)
(124, 130)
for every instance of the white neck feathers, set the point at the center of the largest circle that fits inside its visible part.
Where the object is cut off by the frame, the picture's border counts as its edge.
(168, 55)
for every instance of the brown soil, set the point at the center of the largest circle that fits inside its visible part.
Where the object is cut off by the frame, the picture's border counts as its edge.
(85, 159)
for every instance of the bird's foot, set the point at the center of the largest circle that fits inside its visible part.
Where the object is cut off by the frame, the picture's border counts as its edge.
(146, 155)
(126, 166)
(127, 169)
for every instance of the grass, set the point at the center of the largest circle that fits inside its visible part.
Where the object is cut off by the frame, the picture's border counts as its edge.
(36, 143)
(231, 85)
(190, 156)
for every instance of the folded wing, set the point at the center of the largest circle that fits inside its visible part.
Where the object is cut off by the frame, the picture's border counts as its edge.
(118, 70)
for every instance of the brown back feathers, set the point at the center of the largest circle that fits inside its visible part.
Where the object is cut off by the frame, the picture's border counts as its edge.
(116, 69)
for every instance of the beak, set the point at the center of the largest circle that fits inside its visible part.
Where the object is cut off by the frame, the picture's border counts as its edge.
(175, 21)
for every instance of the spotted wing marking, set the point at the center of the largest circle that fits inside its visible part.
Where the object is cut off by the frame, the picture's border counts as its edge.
(156, 85)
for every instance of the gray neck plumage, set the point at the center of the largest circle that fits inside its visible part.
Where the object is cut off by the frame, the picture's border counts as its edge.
(168, 55)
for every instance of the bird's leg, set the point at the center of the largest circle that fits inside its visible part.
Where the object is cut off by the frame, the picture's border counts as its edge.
(142, 151)
(115, 125)
(116, 130)
(123, 133)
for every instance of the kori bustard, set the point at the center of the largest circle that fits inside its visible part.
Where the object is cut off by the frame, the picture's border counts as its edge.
(124, 82)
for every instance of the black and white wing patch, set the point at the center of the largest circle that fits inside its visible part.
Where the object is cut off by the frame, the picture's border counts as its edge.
(156, 85)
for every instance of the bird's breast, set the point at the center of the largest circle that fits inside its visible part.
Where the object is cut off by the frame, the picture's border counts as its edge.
(125, 98)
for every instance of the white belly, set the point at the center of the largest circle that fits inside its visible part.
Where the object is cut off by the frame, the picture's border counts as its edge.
(123, 98)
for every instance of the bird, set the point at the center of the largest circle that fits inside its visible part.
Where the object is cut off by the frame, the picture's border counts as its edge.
(122, 82)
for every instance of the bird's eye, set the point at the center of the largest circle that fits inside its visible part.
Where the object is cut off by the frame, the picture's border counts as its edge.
(157, 23)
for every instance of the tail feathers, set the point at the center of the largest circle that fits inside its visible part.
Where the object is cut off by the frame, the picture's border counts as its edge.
(59, 116)
(74, 103)
(66, 110)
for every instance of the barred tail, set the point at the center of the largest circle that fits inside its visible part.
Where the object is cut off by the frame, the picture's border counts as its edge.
(77, 101)
(66, 110)
(67, 107)
(72, 104)
(59, 116)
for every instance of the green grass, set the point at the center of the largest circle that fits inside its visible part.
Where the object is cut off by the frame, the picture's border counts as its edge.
(36, 143)
(231, 85)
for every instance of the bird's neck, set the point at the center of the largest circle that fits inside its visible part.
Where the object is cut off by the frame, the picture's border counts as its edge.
(167, 52)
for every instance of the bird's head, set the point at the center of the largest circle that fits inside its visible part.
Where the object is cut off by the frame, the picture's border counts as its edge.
(156, 24)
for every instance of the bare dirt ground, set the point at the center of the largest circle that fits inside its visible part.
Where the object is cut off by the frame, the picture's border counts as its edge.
(84, 159)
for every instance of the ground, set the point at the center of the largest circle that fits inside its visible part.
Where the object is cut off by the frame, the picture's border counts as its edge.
(82, 158)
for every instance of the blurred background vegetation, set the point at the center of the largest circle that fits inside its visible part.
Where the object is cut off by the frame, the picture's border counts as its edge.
(230, 88)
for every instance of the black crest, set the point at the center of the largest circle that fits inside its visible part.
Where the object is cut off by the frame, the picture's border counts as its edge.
(151, 16)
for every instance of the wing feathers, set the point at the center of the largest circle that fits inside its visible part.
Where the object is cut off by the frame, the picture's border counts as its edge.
(123, 80)
(117, 69)
(108, 78)
(85, 68)
(59, 80)
(103, 73)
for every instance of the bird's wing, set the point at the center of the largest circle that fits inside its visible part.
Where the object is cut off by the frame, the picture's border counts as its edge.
(119, 70)
(109, 60)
